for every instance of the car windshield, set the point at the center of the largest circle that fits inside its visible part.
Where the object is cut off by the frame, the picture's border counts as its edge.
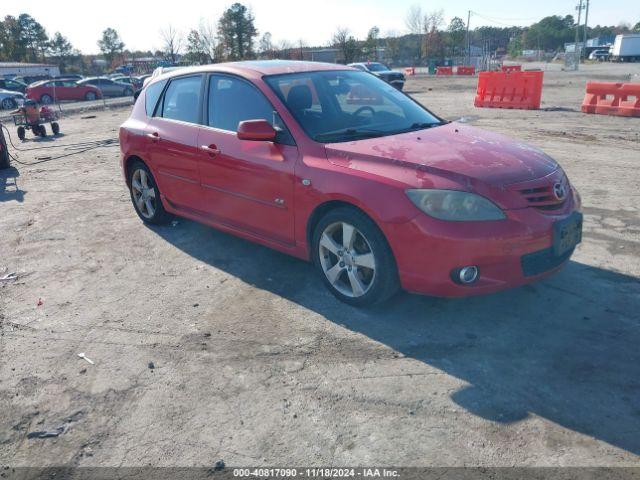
(377, 67)
(338, 106)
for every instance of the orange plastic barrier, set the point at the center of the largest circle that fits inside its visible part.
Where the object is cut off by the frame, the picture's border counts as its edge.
(410, 71)
(511, 68)
(522, 90)
(444, 71)
(466, 70)
(608, 98)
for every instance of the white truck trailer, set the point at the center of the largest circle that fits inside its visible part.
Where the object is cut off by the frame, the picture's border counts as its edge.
(626, 48)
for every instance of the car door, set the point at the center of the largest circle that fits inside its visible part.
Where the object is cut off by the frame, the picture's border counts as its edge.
(172, 134)
(65, 90)
(248, 184)
(107, 87)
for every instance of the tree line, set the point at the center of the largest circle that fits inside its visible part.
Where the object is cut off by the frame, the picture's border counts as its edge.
(235, 37)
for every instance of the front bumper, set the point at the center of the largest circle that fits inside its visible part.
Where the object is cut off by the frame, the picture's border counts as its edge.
(508, 253)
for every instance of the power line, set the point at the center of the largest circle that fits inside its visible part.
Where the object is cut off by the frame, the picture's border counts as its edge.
(499, 22)
(505, 18)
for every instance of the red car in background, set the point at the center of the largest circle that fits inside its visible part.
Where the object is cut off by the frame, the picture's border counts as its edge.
(333, 165)
(48, 91)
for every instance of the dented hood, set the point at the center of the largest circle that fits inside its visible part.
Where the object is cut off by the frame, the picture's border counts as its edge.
(455, 151)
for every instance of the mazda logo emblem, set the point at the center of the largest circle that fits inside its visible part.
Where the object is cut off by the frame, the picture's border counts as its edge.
(559, 191)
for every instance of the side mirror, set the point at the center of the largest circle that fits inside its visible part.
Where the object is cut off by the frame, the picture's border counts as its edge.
(258, 130)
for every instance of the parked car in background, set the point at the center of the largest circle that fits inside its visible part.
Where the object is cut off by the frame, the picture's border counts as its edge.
(14, 85)
(380, 70)
(10, 99)
(333, 165)
(48, 91)
(142, 78)
(108, 87)
(600, 54)
(133, 81)
(69, 76)
(29, 79)
(160, 71)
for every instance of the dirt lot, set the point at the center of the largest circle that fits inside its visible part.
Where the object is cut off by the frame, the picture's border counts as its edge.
(254, 363)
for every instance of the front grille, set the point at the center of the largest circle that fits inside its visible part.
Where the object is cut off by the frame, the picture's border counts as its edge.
(542, 261)
(539, 193)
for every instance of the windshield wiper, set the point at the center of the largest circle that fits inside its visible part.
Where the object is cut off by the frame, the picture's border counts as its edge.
(353, 132)
(421, 125)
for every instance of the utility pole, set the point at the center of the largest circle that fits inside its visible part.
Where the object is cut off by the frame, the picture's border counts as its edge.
(584, 37)
(468, 39)
(576, 53)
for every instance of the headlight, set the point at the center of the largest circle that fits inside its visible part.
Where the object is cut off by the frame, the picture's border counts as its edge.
(455, 206)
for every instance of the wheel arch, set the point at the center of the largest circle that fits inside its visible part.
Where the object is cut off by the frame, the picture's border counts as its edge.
(325, 207)
(130, 160)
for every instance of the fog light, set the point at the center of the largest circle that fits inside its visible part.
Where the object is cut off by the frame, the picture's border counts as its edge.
(468, 275)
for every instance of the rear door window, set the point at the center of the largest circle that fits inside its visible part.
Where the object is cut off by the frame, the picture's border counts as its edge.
(151, 96)
(182, 99)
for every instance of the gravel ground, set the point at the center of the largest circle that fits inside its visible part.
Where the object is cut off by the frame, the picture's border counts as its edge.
(207, 347)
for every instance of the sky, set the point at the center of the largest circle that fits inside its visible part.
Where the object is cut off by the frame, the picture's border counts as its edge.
(313, 21)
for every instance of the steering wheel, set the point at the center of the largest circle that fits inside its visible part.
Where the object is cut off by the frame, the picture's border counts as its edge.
(363, 109)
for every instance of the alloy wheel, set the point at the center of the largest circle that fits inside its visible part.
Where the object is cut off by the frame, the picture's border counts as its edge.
(144, 193)
(347, 259)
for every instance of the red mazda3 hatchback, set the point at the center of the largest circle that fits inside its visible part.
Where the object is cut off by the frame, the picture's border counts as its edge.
(331, 164)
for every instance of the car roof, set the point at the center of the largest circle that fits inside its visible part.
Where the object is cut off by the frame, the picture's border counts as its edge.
(264, 67)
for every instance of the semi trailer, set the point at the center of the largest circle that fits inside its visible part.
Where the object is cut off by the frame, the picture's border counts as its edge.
(626, 48)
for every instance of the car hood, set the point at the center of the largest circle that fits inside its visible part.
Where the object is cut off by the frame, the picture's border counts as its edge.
(457, 152)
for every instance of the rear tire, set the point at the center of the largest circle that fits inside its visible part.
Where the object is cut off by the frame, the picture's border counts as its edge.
(363, 270)
(90, 96)
(42, 131)
(55, 128)
(145, 195)
(46, 99)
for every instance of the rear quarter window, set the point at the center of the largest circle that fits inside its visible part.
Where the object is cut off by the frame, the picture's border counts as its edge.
(151, 96)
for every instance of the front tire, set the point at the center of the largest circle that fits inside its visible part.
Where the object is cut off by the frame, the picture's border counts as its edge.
(22, 133)
(145, 195)
(46, 99)
(8, 104)
(354, 258)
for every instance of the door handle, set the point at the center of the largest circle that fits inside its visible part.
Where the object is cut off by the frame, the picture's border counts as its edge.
(153, 136)
(210, 149)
